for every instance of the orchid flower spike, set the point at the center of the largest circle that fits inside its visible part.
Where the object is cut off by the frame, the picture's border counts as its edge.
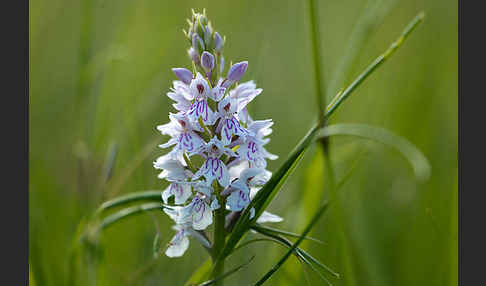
(216, 158)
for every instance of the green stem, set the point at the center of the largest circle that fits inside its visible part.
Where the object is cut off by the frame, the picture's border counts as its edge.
(316, 53)
(219, 238)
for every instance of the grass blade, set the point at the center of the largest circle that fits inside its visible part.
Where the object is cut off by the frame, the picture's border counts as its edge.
(368, 22)
(282, 232)
(200, 274)
(128, 212)
(302, 255)
(417, 160)
(376, 63)
(307, 229)
(154, 195)
(226, 274)
(266, 194)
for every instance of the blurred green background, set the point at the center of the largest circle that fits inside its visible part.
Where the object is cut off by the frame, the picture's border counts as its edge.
(99, 72)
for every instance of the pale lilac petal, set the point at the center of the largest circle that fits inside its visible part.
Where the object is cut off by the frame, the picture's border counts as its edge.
(207, 61)
(237, 71)
(268, 217)
(238, 200)
(202, 216)
(218, 42)
(183, 74)
(177, 246)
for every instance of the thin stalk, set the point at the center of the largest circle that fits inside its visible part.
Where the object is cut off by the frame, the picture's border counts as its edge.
(219, 238)
(316, 53)
(321, 97)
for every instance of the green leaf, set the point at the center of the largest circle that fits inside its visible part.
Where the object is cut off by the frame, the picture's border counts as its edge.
(338, 100)
(294, 246)
(226, 274)
(128, 212)
(417, 160)
(154, 195)
(368, 22)
(301, 254)
(156, 245)
(270, 189)
(266, 194)
(282, 232)
(199, 274)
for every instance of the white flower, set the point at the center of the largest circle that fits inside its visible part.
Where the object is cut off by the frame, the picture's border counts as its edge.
(179, 243)
(173, 169)
(240, 189)
(183, 134)
(213, 168)
(181, 192)
(229, 125)
(182, 96)
(252, 149)
(199, 109)
(198, 213)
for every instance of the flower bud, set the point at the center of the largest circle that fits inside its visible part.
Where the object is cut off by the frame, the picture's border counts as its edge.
(197, 43)
(194, 55)
(183, 74)
(236, 71)
(218, 42)
(207, 61)
(221, 64)
(207, 36)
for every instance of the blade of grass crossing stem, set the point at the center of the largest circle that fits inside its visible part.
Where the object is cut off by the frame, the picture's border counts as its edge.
(417, 160)
(264, 196)
(314, 220)
(226, 274)
(272, 186)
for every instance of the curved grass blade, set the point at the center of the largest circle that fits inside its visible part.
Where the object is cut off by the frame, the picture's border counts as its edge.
(282, 232)
(128, 212)
(307, 229)
(417, 160)
(269, 190)
(156, 246)
(226, 274)
(154, 195)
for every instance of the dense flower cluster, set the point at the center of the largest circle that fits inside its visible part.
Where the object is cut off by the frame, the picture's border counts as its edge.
(218, 156)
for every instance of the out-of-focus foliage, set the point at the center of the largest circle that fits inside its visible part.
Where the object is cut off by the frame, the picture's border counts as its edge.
(99, 71)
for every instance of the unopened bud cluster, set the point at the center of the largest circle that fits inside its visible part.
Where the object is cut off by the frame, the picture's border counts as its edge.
(206, 45)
